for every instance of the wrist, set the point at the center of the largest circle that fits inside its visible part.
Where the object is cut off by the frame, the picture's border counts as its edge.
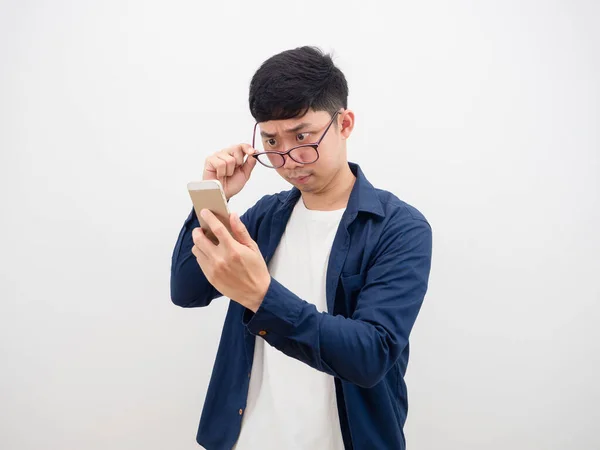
(261, 295)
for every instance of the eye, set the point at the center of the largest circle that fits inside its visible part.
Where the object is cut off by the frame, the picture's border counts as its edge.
(302, 136)
(271, 142)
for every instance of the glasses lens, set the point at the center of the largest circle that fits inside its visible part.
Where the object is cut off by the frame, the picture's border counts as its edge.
(305, 154)
(274, 160)
(302, 154)
(261, 143)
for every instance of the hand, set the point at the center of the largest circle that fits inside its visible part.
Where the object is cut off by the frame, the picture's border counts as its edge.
(235, 267)
(228, 167)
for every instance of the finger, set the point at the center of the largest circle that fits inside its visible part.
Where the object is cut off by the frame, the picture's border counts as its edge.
(200, 256)
(202, 260)
(238, 153)
(196, 232)
(221, 167)
(229, 163)
(202, 243)
(217, 166)
(240, 231)
(198, 235)
(248, 149)
(196, 251)
(217, 227)
(249, 166)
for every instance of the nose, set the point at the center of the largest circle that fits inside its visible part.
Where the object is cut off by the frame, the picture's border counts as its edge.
(290, 163)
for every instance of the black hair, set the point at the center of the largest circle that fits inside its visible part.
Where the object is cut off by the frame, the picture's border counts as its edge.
(289, 84)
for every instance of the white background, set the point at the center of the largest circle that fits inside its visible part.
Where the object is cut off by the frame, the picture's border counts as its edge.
(483, 115)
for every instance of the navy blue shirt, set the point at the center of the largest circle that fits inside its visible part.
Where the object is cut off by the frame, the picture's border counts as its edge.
(376, 280)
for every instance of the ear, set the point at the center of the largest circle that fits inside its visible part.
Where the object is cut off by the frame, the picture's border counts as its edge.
(347, 123)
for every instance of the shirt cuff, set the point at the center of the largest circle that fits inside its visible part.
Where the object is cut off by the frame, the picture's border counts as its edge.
(277, 313)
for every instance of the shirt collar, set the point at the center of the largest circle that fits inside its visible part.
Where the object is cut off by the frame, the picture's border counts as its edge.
(363, 197)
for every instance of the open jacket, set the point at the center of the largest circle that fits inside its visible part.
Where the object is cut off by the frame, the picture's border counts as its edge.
(376, 280)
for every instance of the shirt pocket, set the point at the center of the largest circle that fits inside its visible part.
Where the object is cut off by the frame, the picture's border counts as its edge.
(352, 285)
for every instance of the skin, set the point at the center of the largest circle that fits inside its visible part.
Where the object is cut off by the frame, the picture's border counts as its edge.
(235, 267)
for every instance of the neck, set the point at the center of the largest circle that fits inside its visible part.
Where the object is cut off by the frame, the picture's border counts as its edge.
(334, 195)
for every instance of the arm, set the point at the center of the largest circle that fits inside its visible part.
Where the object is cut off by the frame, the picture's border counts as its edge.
(189, 286)
(362, 348)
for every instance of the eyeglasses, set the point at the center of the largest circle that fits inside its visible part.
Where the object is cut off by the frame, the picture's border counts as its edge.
(302, 154)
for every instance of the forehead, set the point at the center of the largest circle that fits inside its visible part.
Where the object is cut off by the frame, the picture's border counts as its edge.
(310, 120)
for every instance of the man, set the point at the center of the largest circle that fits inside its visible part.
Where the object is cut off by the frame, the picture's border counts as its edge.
(325, 280)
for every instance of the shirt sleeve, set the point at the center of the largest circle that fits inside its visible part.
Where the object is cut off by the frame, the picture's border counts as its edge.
(189, 286)
(359, 349)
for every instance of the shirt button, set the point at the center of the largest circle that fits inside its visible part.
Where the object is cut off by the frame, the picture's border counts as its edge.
(241, 411)
(262, 332)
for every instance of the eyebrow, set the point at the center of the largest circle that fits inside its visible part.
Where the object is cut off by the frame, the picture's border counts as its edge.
(295, 129)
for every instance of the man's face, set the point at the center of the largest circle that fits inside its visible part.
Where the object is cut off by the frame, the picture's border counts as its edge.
(282, 135)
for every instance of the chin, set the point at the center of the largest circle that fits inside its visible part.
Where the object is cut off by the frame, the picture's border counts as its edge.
(302, 187)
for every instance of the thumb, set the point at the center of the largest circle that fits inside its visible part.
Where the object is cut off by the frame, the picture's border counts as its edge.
(240, 232)
(249, 164)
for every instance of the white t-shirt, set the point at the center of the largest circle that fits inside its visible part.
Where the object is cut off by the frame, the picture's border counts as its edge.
(290, 405)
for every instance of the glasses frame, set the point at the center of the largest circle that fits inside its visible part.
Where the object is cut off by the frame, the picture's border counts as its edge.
(314, 145)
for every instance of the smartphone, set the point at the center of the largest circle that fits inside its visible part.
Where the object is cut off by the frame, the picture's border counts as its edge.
(208, 194)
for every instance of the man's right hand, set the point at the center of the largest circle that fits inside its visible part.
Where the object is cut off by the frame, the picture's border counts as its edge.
(229, 168)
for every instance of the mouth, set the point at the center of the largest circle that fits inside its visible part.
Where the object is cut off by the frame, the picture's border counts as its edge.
(300, 180)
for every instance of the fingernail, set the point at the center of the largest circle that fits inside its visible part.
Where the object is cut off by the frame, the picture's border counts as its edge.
(203, 213)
